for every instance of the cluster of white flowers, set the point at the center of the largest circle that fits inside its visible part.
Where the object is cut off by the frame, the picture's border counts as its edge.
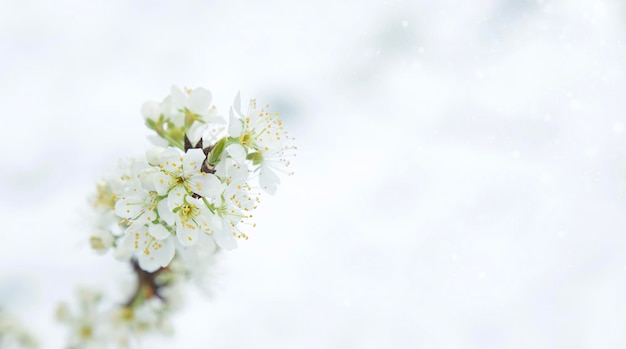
(169, 212)
(201, 179)
(93, 326)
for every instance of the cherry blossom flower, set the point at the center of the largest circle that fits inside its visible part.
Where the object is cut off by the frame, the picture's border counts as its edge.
(180, 174)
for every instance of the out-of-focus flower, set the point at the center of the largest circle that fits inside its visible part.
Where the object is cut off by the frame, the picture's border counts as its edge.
(86, 325)
(13, 334)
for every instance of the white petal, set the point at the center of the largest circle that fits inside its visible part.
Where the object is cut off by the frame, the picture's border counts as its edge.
(135, 228)
(158, 231)
(171, 159)
(128, 207)
(237, 103)
(177, 118)
(147, 263)
(171, 106)
(207, 185)
(199, 100)
(252, 110)
(146, 178)
(237, 152)
(224, 239)
(207, 244)
(166, 106)
(166, 213)
(238, 173)
(186, 234)
(147, 216)
(235, 127)
(158, 253)
(175, 197)
(151, 110)
(158, 141)
(196, 131)
(204, 220)
(161, 183)
(124, 251)
(192, 160)
(268, 180)
(177, 98)
(154, 155)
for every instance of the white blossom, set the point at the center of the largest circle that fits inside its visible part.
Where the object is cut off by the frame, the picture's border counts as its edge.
(180, 173)
(189, 215)
(153, 244)
(232, 167)
(177, 104)
(87, 328)
(261, 132)
(234, 207)
(137, 205)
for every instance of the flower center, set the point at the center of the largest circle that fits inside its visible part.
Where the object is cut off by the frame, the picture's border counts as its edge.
(186, 210)
(246, 140)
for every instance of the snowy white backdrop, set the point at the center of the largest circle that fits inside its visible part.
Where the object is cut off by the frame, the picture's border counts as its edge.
(459, 181)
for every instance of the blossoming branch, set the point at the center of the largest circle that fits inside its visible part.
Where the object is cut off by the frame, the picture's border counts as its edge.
(169, 212)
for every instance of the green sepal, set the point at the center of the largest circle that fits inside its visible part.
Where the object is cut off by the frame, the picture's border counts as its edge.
(190, 117)
(151, 124)
(256, 158)
(216, 153)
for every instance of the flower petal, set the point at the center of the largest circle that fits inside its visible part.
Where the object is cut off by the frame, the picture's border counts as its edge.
(207, 185)
(157, 254)
(129, 207)
(237, 103)
(158, 141)
(154, 155)
(237, 152)
(192, 161)
(268, 179)
(195, 132)
(158, 231)
(224, 239)
(176, 197)
(166, 212)
(199, 100)
(187, 234)
(151, 110)
(161, 182)
(177, 98)
(171, 160)
(235, 127)
(124, 250)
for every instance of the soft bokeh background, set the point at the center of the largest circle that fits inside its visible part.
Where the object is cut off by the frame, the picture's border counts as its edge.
(460, 181)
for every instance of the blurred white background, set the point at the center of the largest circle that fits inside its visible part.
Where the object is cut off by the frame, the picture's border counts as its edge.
(460, 181)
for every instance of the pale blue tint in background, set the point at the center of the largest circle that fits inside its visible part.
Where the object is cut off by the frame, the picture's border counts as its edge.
(459, 181)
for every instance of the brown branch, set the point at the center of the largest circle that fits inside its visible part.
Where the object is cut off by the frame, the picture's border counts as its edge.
(145, 281)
